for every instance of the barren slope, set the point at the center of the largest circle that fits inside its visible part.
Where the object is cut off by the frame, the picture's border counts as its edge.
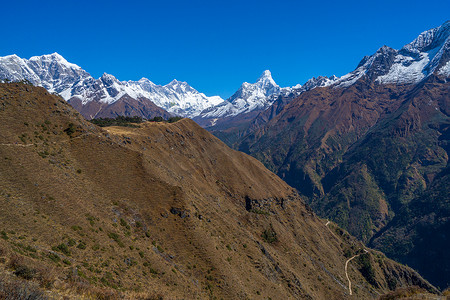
(165, 209)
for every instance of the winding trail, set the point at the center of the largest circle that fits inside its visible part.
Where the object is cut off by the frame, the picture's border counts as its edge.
(328, 223)
(346, 273)
(29, 145)
(348, 260)
(19, 145)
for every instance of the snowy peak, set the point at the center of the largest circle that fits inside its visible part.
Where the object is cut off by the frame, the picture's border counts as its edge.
(320, 81)
(56, 74)
(15, 68)
(428, 53)
(265, 74)
(53, 61)
(179, 86)
(109, 80)
(256, 92)
(266, 79)
(249, 97)
(430, 39)
(53, 58)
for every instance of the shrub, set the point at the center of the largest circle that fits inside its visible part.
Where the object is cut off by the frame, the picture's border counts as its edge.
(18, 289)
(124, 223)
(115, 237)
(70, 129)
(118, 121)
(4, 235)
(63, 248)
(76, 228)
(54, 257)
(67, 262)
(81, 245)
(174, 119)
(269, 235)
(25, 272)
(157, 119)
(366, 269)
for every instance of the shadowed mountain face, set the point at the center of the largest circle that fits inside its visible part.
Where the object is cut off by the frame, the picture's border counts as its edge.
(125, 106)
(364, 154)
(370, 146)
(164, 209)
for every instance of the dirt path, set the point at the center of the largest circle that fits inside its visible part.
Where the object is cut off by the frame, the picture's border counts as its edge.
(18, 145)
(328, 223)
(348, 260)
(346, 273)
(29, 145)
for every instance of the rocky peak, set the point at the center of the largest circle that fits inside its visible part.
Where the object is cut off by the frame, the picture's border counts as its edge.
(429, 39)
(380, 63)
(319, 82)
(264, 87)
(180, 86)
(109, 79)
(265, 81)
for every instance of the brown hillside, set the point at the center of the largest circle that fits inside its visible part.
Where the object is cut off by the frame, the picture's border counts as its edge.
(163, 210)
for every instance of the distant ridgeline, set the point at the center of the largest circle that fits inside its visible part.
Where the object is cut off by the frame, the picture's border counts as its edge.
(130, 121)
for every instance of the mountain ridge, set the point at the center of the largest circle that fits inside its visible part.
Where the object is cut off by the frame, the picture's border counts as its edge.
(70, 81)
(163, 209)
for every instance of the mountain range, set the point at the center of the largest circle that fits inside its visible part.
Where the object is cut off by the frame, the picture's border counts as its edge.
(368, 150)
(109, 97)
(94, 97)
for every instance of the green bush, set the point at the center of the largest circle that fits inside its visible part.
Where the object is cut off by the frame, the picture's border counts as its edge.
(4, 235)
(114, 236)
(118, 121)
(70, 129)
(82, 245)
(157, 119)
(25, 272)
(54, 257)
(174, 119)
(63, 248)
(366, 269)
(269, 235)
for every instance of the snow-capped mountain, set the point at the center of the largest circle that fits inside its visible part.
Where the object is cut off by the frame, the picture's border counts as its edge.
(57, 75)
(177, 97)
(428, 54)
(249, 97)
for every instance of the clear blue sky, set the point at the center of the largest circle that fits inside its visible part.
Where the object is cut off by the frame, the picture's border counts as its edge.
(214, 45)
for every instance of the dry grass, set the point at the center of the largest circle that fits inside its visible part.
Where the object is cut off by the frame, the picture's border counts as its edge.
(18, 289)
(152, 211)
